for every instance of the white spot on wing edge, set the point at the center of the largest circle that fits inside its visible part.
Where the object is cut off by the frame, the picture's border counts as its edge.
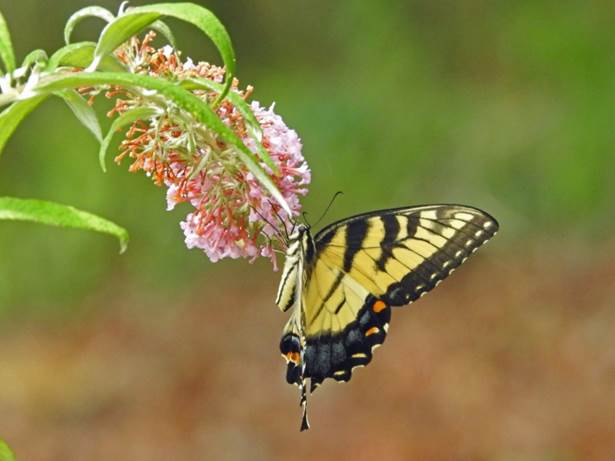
(464, 216)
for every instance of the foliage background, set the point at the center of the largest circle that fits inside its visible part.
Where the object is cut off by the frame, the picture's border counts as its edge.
(159, 354)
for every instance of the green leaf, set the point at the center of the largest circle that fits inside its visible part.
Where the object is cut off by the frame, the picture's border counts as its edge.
(83, 111)
(254, 128)
(164, 30)
(55, 214)
(184, 100)
(80, 55)
(242, 106)
(88, 11)
(35, 57)
(135, 19)
(128, 117)
(6, 46)
(5, 452)
(117, 32)
(13, 115)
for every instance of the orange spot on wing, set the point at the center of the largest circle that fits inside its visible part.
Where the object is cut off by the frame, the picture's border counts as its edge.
(293, 357)
(379, 306)
(372, 331)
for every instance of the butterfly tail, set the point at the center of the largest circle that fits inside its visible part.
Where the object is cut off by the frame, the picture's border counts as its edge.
(305, 425)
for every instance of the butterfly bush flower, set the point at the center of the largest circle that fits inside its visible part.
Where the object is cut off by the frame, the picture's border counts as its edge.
(233, 215)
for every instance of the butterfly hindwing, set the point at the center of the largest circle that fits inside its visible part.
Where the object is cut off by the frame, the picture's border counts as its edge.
(365, 264)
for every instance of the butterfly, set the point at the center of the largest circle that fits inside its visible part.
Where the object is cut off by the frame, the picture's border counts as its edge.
(341, 283)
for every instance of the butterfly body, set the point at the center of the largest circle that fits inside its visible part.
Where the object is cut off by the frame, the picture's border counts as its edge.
(340, 284)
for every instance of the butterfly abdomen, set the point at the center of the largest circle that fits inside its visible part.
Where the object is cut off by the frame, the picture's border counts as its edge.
(301, 248)
(288, 283)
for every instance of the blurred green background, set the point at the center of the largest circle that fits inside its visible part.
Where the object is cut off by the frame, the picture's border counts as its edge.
(508, 106)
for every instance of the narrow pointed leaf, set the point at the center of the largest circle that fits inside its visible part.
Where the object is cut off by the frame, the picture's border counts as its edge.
(128, 117)
(6, 47)
(118, 31)
(35, 57)
(88, 11)
(184, 100)
(242, 106)
(209, 24)
(5, 452)
(83, 111)
(137, 18)
(13, 115)
(80, 55)
(55, 214)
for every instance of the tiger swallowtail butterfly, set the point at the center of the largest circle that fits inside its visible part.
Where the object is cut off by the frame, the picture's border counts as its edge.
(340, 284)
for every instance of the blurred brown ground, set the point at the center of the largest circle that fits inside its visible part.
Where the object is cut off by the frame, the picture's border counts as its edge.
(512, 358)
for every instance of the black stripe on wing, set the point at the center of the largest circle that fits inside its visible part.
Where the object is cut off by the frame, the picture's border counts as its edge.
(391, 231)
(356, 231)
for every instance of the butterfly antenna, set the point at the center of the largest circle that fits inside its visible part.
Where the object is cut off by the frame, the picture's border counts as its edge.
(282, 221)
(283, 237)
(337, 194)
(305, 220)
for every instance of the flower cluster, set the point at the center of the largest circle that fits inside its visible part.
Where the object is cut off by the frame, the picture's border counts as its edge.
(233, 215)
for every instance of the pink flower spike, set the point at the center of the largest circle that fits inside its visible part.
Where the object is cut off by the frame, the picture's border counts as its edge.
(233, 215)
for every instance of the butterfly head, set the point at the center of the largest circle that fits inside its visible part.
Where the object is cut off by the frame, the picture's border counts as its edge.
(299, 233)
(303, 229)
(300, 244)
